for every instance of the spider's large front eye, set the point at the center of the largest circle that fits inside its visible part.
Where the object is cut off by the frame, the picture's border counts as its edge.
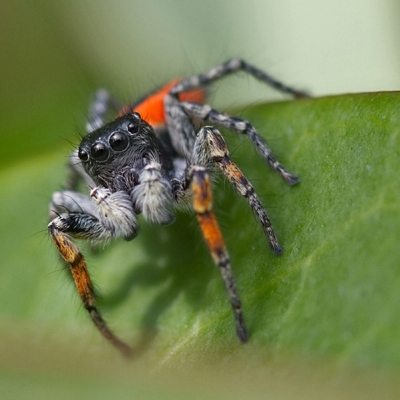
(119, 141)
(100, 152)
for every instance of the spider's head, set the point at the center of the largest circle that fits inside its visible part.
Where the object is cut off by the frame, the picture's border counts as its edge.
(123, 145)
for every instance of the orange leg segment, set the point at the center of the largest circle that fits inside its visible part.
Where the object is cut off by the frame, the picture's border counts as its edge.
(77, 265)
(202, 204)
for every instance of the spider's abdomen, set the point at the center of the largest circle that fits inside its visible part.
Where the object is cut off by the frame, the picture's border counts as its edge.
(152, 107)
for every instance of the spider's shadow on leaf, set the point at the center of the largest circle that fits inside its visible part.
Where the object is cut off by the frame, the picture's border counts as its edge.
(179, 263)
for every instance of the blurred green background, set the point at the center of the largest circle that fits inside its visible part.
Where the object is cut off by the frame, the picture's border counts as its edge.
(54, 55)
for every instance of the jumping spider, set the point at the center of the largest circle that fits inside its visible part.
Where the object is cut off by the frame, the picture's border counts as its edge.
(152, 160)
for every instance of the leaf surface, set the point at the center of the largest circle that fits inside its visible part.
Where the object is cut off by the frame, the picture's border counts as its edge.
(332, 296)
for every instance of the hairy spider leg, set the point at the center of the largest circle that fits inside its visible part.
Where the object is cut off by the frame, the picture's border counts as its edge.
(227, 68)
(210, 142)
(115, 217)
(200, 184)
(238, 125)
(99, 108)
(180, 113)
(76, 173)
(77, 265)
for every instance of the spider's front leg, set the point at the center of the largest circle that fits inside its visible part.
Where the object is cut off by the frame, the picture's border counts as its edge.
(114, 217)
(198, 179)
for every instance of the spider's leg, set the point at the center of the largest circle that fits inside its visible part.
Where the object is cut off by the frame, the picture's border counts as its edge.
(211, 146)
(208, 114)
(69, 201)
(99, 109)
(77, 264)
(198, 179)
(228, 68)
(114, 217)
(180, 115)
(152, 195)
(97, 115)
(76, 173)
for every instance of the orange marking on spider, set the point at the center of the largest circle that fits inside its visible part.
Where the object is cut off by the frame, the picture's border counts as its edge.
(152, 109)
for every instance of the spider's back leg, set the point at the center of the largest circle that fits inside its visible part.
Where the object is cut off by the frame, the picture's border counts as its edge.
(198, 179)
(100, 108)
(229, 67)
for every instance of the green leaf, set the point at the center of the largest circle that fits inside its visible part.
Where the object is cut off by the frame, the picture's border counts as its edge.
(327, 306)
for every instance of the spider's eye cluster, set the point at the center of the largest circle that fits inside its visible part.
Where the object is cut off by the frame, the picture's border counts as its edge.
(100, 146)
(100, 151)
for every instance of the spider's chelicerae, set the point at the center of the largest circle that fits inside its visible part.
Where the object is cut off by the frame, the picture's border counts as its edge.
(152, 160)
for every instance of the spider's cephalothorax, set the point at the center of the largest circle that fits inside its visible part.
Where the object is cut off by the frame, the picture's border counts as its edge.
(151, 160)
(124, 146)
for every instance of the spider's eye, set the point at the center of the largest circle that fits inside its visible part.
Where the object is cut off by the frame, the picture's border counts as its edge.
(119, 141)
(100, 152)
(83, 155)
(133, 126)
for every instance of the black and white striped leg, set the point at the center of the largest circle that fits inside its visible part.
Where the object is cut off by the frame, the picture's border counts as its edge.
(228, 68)
(211, 146)
(100, 108)
(76, 173)
(69, 201)
(212, 116)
